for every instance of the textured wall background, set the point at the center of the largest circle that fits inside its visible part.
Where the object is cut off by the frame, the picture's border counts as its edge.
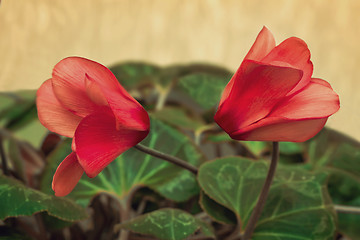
(35, 35)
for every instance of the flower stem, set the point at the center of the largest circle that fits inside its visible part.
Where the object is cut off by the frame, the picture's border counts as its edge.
(174, 160)
(263, 195)
(347, 209)
(3, 158)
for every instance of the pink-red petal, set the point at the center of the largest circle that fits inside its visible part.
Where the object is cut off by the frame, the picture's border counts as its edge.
(128, 112)
(81, 85)
(316, 100)
(67, 175)
(263, 44)
(281, 130)
(69, 83)
(52, 114)
(322, 82)
(94, 92)
(98, 141)
(256, 90)
(295, 52)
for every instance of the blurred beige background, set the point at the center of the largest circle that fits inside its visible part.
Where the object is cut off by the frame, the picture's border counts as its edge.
(36, 34)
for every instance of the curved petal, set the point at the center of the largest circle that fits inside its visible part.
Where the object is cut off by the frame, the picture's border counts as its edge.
(127, 111)
(94, 92)
(73, 146)
(263, 44)
(295, 52)
(256, 90)
(282, 130)
(316, 100)
(98, 141)
(69, 84)
(82, 85)
(322, 82)
(72, 84)
(227, 89)
(52, 114)
(67, 175)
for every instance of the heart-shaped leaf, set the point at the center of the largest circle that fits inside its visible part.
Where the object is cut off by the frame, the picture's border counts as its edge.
(297, 206)
(18, 200)
(340, 156)
(168, 224)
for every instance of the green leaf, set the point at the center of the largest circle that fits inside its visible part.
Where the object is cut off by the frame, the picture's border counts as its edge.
(134, 169)
(334, 150)
(168, 224)
(297, 206)
(19, 109)
(218, 212)
(19, 200)
(204, 89)
(178, 117)
(18, 114)
(132, 74)
(175, 72)
(218, 138)
(291, 153)
(339, 155)
(52, 223)
(256, 147)
(291, 148)
(345, 190)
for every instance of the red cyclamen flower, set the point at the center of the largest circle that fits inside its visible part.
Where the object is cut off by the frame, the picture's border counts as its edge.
(272, 96)
(83, 100)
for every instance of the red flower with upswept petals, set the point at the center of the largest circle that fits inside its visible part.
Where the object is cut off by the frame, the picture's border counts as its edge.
(83, 100)
(272, 96)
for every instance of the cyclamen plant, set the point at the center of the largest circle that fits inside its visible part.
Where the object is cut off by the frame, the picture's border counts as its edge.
(153, 165)
(272, 97)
